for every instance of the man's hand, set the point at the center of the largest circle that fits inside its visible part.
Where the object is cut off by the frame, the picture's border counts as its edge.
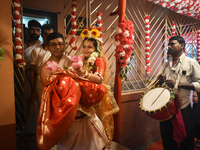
(195, 97)
(170, 83)
(161, 79)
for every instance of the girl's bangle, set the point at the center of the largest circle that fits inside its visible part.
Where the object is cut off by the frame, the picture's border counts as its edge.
(89, 75)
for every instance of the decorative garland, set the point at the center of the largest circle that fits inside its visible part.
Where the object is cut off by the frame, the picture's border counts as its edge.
(147, 38)
(198, 45)
(173, 29)
(99, 24)
(18, 34)
(72, 42)
(189, 8)
(123, 42)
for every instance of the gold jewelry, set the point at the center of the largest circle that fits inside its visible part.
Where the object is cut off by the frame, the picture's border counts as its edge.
(89, 75)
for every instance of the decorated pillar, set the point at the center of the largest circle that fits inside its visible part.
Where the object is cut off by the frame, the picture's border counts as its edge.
(117, 86)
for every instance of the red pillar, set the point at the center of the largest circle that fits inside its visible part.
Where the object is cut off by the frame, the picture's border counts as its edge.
(117, 86)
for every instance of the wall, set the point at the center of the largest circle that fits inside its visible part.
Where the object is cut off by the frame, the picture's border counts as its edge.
(138, 130)
(7, 103)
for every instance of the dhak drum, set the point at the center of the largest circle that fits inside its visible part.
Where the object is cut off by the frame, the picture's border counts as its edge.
(158, 103)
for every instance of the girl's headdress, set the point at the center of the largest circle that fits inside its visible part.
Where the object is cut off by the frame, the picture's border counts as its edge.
(91, 33)
(95, 34)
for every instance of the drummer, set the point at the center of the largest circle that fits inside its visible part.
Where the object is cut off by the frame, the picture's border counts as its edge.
(183, 74)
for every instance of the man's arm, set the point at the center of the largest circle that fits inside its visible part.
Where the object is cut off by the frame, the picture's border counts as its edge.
(188, 86)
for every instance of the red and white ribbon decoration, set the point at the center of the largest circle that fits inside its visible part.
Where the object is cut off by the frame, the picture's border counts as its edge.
(184, 7)
(147, 38)
(173, 29)
(18, 34)
(99, 24)
(72, 42)
(198, 45)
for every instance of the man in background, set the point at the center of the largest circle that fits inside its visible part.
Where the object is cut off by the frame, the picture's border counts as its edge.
(32, 42)
(37, 52)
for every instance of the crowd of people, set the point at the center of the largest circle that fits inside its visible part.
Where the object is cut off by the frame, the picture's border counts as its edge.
(60, 102)
(62, 98)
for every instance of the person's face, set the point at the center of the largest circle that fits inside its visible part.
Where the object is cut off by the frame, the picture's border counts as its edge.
(34, 33)
(88, 48)
(45, 33)
(174, 48)
(56, 47)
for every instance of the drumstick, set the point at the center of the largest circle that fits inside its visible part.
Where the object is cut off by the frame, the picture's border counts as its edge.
(156, 81)
(158, 96)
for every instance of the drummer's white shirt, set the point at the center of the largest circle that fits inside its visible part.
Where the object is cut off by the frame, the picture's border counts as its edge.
(190, 74)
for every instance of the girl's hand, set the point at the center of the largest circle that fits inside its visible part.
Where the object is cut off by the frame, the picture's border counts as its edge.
(79, 71)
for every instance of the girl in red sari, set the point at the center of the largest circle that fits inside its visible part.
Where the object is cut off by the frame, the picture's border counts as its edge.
(88, 132)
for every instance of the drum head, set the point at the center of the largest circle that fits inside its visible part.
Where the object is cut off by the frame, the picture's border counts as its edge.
(155, 99)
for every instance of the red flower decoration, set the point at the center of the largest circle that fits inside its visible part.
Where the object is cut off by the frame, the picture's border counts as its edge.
(73, 13)
(19, 51)
(17, 17)
(124, 38)
(17, 9)
(18, 35)
(16, 1)
(18, 43)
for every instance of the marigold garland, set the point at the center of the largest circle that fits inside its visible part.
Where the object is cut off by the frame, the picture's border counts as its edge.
(18, 34)
(123, 42)
(72, 42)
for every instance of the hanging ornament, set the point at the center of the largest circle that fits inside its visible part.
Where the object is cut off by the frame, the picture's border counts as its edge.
(124, 39)
(173, 29)
(18, 34)
(198, 45)
(72, 42)
(190, 8)
(99, 24)
(147, 38)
